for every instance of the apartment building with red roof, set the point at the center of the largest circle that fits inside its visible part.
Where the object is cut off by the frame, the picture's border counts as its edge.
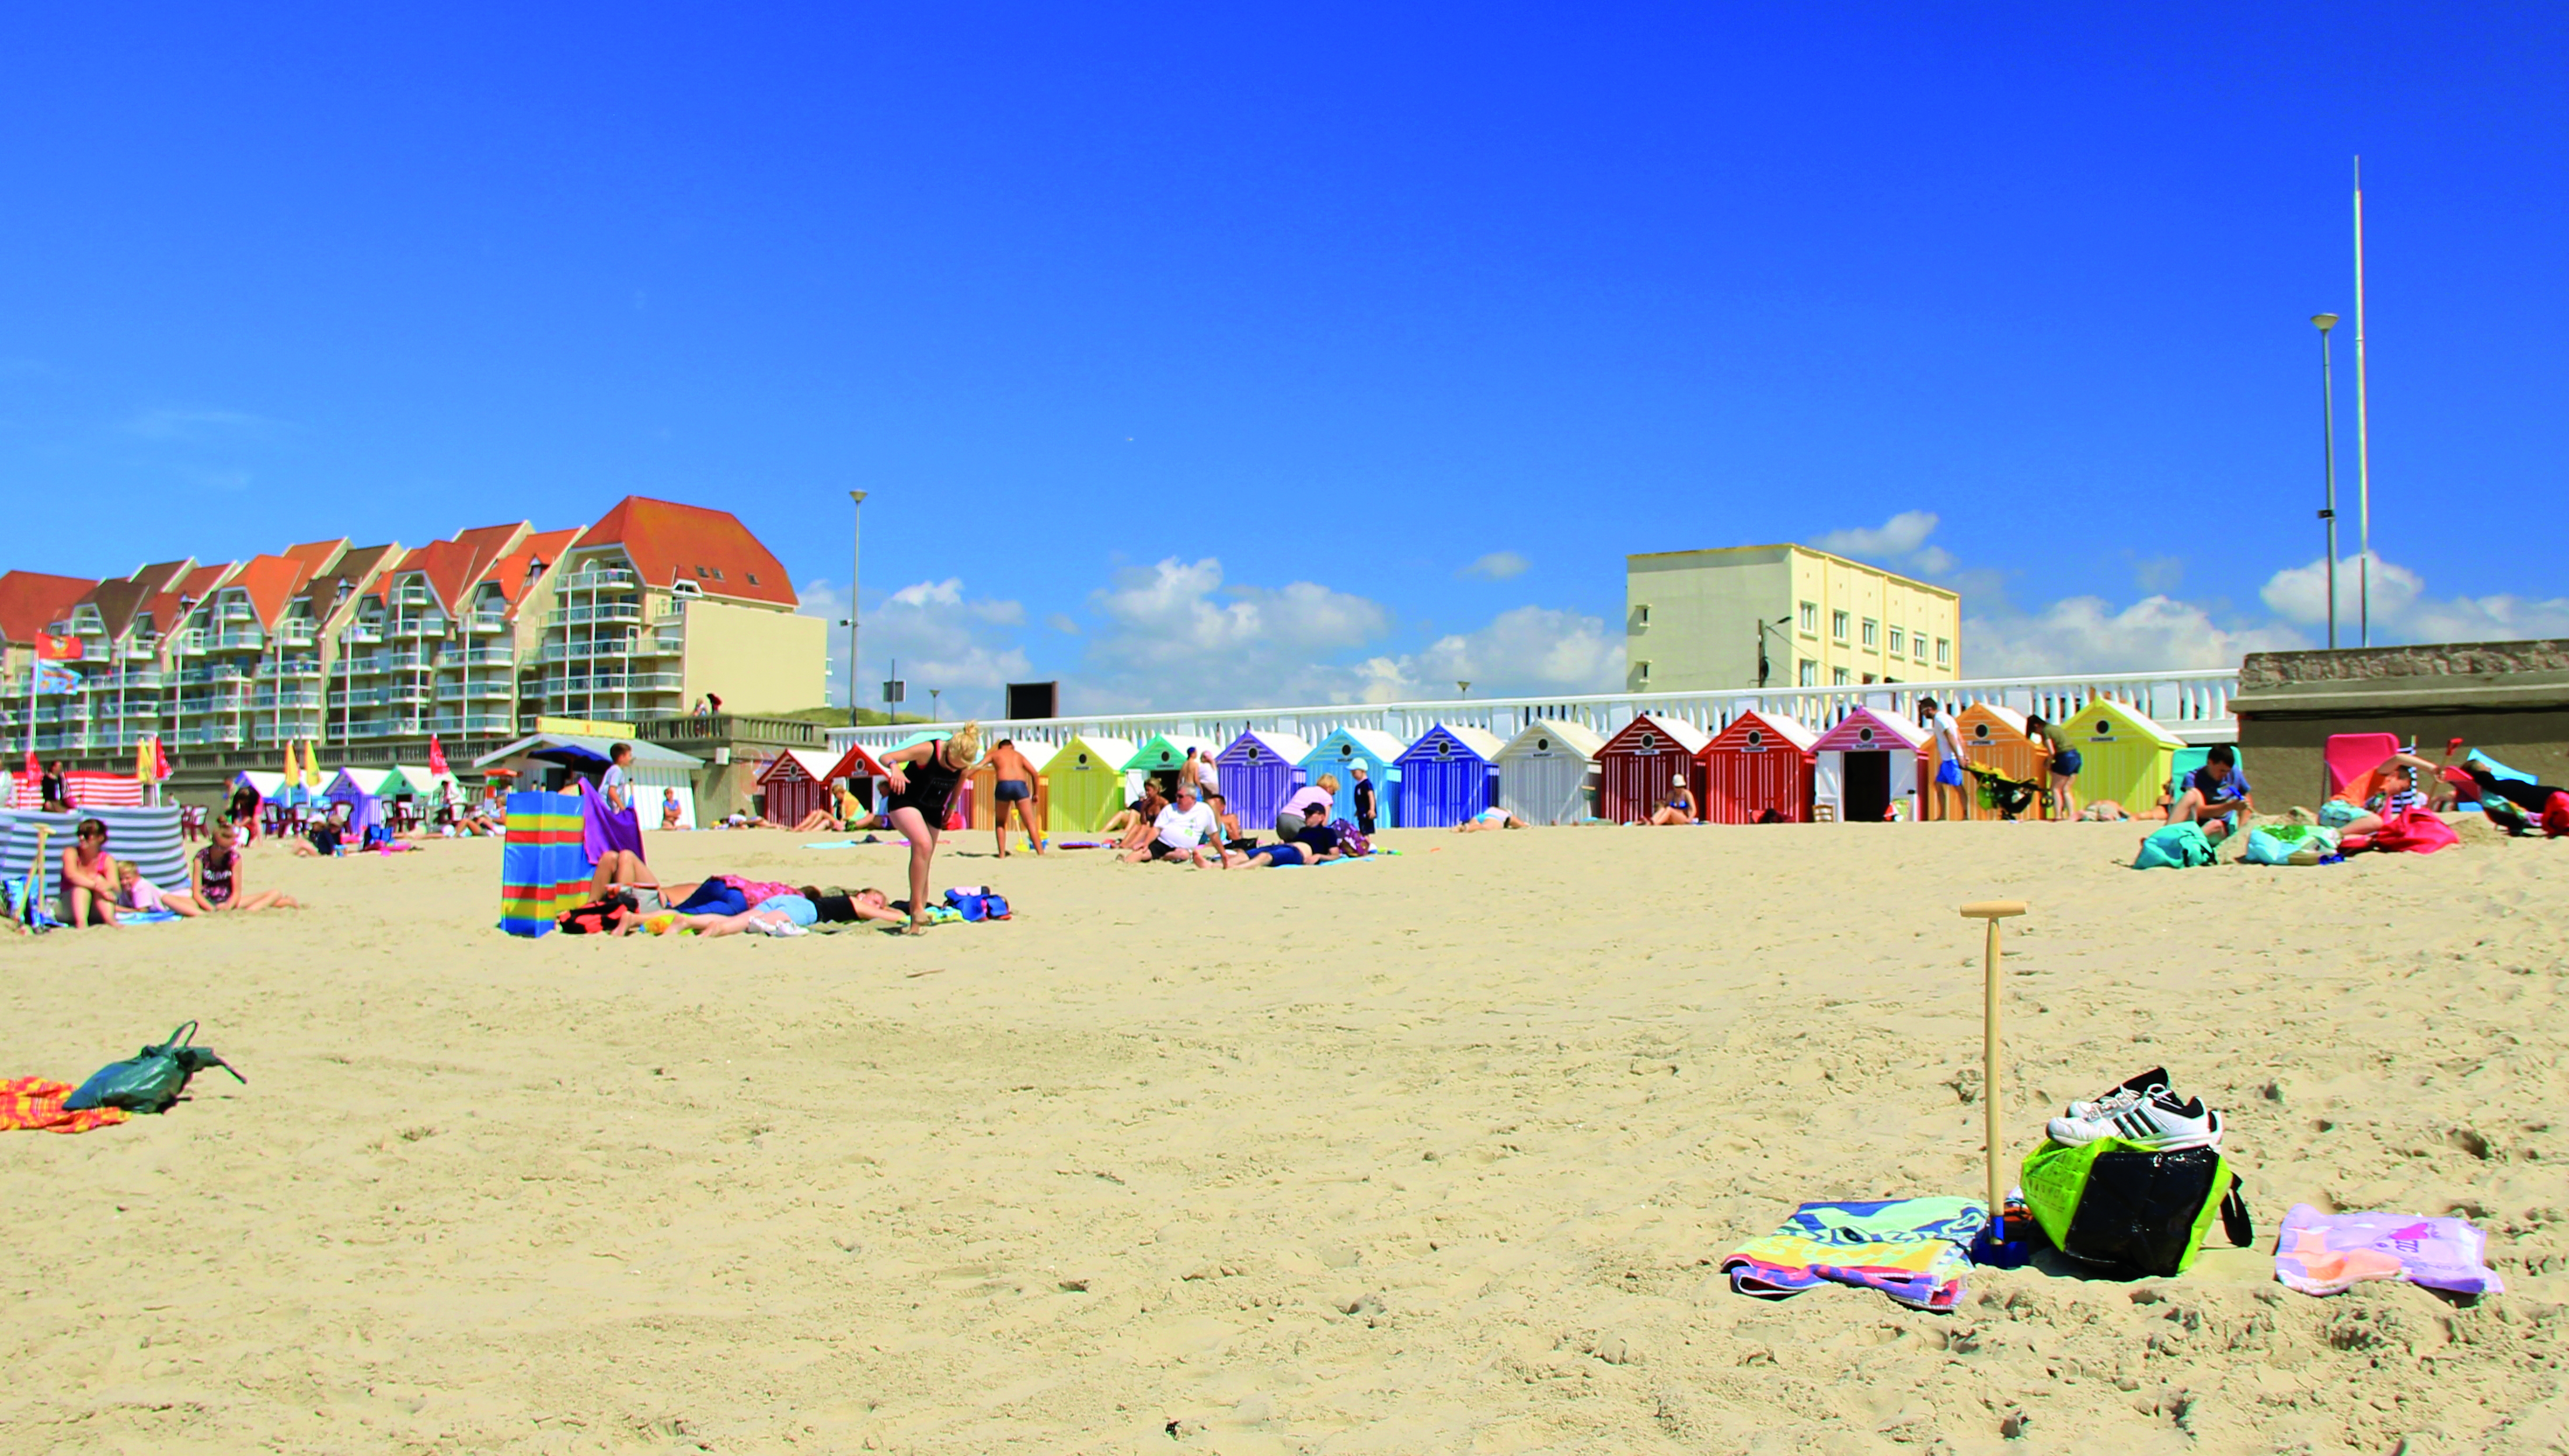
(33, 602)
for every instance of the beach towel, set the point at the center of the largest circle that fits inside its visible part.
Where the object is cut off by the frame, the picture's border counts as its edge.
(1915, 1250)
(602, 829)
(31, 1104)
(2418, 831)
(2326, 1253)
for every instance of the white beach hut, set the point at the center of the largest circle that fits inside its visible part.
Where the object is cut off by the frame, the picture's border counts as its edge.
(1547, 773)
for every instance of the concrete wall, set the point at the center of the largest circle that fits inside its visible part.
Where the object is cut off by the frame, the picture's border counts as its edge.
(760, 661)
(2510, 700)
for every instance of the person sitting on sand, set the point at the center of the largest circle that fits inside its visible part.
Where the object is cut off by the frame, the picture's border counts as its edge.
(221, 882)
(1133, 826)
(135, 892)
(325, 839)
(1491, 818)
(1679, 808)
(668, 809)
(2399, 782)
(1309, 804)
(2215, 791)
(848, 818)
(89, 878)
(1185, 831)
(1227, 824)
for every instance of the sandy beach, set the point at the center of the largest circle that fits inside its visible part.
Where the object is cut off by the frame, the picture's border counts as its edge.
(1433, 1153)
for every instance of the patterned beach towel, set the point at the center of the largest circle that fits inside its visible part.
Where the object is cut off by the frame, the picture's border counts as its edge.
(30, 1104)
(2326, 1253)
(1912, 1249)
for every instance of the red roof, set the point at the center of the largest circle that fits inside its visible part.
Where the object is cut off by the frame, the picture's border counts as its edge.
(119, 597)
(316, 556)
(271, 583)
(452, 566)
(198, 583)
(29, 601)
(508, 572)
(670, 542)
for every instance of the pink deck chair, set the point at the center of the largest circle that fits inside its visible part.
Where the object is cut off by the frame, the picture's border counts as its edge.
(2351, 756)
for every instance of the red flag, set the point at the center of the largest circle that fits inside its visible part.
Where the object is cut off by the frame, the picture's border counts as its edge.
(435, 756)
(159, 759)
(35, 770)
(49, 648)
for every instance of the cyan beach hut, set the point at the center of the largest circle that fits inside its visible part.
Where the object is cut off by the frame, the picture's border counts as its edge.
(1866, 768)
(1258, 770)
(1547, 773)
(1340, 752)
(1160, 757)
(1085, 784)
(1447, 776)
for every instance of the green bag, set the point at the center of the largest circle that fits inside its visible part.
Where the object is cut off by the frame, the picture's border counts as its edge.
(2121, 1205)
(150, 1079)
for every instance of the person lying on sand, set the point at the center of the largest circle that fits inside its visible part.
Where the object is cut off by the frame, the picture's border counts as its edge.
(785, 915)
(138, 894)
(1316, 844)
(1492, 817)
(620, 870)
(2399, 782)
(836, 905)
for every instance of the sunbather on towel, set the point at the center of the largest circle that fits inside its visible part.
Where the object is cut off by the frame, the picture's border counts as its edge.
(836, 905)
(1316, 843)
(1489, 819)
(138, 894)
(2401, 782)
(784, 914)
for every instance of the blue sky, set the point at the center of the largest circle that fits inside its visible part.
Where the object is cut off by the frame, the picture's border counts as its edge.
(1197, 360)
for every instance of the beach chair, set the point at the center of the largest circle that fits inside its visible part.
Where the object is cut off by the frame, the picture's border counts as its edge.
(2351, 756)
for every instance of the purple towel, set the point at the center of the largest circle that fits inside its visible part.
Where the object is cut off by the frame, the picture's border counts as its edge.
(602, 829)
(2322, 1254)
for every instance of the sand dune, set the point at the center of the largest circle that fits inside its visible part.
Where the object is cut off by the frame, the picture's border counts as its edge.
(1431, 1154)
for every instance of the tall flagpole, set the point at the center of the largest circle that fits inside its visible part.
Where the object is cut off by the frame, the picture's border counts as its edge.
(2363, 442)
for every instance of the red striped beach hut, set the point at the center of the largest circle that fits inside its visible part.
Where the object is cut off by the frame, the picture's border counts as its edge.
(1761, 761)
(1642, 761)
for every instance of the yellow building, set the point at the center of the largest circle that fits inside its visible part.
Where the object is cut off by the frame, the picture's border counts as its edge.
(1695, 621)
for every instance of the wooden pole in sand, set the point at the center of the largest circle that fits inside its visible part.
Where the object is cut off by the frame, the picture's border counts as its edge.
(1991, 911)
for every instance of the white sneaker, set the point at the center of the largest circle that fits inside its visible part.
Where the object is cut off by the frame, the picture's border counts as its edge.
(2147, 1084)
(2159, 1122)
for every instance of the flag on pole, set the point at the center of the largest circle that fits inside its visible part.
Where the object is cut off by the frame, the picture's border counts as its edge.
(142, 761)
(52, 677)
(435, 756)
(159, 759)
(49, 648)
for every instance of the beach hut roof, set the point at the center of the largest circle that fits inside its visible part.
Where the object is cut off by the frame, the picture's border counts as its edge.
(267, 782)
(1175, 745)
(1783, 725)
(424, 780)
(1381, 746)
(1115, 753)
(1484, 744)
(1849, 734)
(1577, 737)
(1677, 730)
(369, 780)
(858, 762)
(815, 765)
(570, 746)
(2005, 714)
(2124, 719)
(1285, 745)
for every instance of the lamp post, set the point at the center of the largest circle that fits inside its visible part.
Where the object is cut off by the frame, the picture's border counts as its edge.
(2327, 440)
(934, 713)
(1764, 627)
(856, 563)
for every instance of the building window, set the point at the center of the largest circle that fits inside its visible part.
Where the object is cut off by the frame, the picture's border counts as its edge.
(1642, 616)
(1899, 642)
(753, 581)
(1642, 669)
(1838, 626)
(1871, 634)
(1838, 676)
(1944, 651)
(1810, 673)
(1811, 617)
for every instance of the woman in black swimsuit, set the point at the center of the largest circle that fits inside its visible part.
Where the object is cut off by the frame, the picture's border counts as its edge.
(922, 779)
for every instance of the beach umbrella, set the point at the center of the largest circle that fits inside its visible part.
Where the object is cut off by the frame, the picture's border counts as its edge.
(159, 759)
(142, 762)
(311, 766)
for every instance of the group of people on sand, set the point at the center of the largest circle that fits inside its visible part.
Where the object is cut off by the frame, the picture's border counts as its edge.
(97, 886)
(1194, 824)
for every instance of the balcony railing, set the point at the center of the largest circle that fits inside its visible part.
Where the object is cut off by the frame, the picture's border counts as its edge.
(420, 627)
(596, 611)
(498, 690)
(290, 667)
(360, 634)
(481, 656)
(295, 633)
(207, 735)
(270, 702)
(218, 673)
(231, 702)
(597, 579)
(486, 621)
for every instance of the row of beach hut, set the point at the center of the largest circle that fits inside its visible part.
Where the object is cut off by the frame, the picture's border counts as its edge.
(1869, 767)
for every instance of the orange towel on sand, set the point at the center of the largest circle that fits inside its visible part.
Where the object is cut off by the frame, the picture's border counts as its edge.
(28, 1104)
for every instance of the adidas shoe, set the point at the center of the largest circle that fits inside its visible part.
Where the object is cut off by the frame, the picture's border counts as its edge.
(2157, 1122)
(2154, 1080)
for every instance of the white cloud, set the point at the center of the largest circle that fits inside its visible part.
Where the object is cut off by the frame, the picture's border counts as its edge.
(941, 637)
(2403, 612)
(1060, 622)
(2089, 634)
(1898, 537)
(1496, 567)
(1177, 636)
(1525, 650)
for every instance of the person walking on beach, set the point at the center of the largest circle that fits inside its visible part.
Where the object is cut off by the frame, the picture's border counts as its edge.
(1208, 780)
(2065, 765)
(924, 779)
(1363, 793)
(1949, 761)
(1012, 789)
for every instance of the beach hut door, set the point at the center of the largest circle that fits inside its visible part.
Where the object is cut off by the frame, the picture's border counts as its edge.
(1868, 787)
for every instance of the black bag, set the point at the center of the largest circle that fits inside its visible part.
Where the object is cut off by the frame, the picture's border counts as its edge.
(2116, 1204)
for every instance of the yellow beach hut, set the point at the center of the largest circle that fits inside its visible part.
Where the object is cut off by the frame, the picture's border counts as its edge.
(2125, 756)
(1085, 783)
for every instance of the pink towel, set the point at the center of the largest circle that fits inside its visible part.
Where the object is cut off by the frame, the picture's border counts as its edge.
(2327, 1254)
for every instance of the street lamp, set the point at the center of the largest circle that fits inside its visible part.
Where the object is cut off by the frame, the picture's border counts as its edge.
(856, 562)
(1464, 687)
(1764, 627)
(2327, 439)
(933, 713)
